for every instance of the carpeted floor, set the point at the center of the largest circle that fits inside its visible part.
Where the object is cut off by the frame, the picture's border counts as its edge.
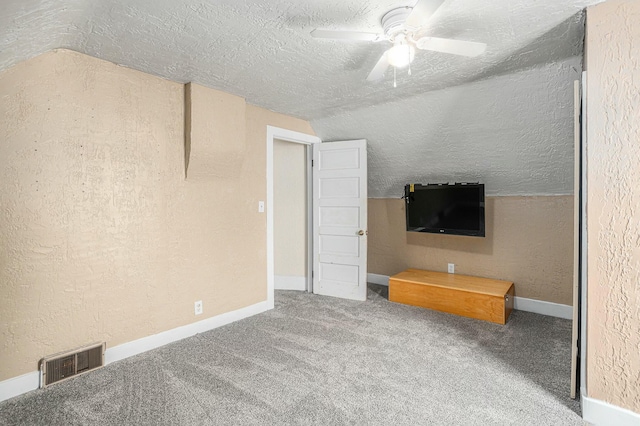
(319, 360)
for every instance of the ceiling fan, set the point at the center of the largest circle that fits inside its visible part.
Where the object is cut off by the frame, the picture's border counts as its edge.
(404, 27)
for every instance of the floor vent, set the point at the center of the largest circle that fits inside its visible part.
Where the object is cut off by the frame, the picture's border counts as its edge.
(61, 366)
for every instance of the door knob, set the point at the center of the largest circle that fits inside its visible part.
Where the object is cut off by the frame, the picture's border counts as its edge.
(361, 232)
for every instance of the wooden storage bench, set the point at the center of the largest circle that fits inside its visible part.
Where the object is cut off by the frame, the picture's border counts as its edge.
(473, 297)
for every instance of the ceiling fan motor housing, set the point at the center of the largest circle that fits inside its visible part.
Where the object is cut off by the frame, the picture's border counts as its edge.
(393, 22)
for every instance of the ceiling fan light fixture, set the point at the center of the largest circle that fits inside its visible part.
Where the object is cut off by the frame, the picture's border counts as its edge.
(401, 55)
(406, 29)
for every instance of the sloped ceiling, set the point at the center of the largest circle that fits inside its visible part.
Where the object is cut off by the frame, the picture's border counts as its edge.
(262, 50)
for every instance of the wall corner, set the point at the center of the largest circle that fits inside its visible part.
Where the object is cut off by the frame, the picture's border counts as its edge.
(187, 127)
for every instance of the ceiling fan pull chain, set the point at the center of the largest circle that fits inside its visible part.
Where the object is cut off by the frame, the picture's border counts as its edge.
(394, 77)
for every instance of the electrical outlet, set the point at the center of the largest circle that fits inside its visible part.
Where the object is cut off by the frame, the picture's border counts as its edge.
(198, 307)
(260, 206)
(451, 268)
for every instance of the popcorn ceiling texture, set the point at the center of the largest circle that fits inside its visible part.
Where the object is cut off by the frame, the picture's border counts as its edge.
(514, 133)
(29, 28)
(262, 51)
(613, 149)
(102, 238)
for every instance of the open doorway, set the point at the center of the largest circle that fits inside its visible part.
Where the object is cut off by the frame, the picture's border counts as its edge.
(336, 210)
(291, 215)
(278, 135)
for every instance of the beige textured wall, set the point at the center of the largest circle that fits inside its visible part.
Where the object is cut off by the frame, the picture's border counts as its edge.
(529, 240)
(613, 216)
(217, 138)
(290, 209)
(101, 236)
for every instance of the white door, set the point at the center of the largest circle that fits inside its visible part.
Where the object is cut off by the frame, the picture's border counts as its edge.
(340, 219)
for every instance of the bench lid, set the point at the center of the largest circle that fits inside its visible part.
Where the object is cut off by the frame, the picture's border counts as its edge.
(461, 282)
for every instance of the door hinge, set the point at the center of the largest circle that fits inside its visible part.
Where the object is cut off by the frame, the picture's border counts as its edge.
(311, 163)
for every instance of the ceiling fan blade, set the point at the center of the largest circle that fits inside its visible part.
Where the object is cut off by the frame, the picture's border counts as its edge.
(422, 12)
(454, 47)
(379, 69)
(345, 35)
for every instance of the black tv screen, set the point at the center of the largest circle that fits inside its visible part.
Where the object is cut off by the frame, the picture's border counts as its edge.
(445, 209)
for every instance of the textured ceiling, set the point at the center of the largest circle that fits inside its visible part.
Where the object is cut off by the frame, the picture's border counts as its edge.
(262, 51)
(513, 132)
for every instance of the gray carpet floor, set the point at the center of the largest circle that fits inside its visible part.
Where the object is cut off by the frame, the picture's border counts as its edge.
(325, 361)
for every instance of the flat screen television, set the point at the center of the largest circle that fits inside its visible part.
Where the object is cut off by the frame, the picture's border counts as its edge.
(445, 209)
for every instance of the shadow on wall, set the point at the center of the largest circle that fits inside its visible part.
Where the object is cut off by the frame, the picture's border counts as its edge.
(458, 243)
(550, 47)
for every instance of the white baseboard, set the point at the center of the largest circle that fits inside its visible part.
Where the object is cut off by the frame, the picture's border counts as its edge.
(18, 385)
(287, 282)
(378, 279)
(519, 303)
(544, 308)
(599, 413)
(31, 381)
(155, 341)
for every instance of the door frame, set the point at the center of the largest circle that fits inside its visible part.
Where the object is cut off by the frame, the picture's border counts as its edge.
(579, 322)
(583, 240)
(286, 135)
(577, 194)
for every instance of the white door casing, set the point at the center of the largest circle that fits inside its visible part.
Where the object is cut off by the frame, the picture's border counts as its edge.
(274, 133)
(340, 219)
(575, 368)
